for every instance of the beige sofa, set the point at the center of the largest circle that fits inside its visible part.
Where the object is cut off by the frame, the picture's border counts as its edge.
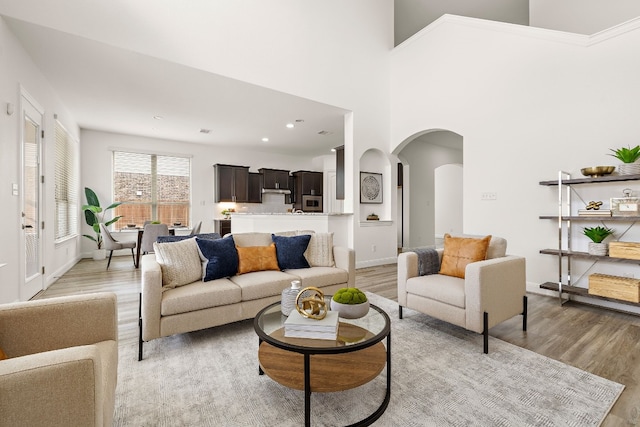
(62, 361)
(492, 290)
(198, 305)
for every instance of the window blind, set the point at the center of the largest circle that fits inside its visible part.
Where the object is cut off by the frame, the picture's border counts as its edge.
(66, 184)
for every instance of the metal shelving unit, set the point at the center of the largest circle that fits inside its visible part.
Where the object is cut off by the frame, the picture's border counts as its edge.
(564, 218)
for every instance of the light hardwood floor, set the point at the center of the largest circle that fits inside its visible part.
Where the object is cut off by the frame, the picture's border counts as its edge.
(599, 341)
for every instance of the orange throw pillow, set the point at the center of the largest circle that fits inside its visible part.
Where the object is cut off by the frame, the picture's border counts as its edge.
(460, 251)
(257, 258)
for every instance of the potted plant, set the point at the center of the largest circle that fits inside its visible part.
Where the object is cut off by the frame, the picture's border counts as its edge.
(628, 156)
(94, 215)
(350, 303)
(597, 236)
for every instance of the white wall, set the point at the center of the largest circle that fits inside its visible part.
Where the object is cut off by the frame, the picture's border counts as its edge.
(448, 200)
(581, 16)
(17, 69)
(528, 103)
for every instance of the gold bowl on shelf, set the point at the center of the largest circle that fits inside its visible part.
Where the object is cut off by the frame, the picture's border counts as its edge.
(597, 171)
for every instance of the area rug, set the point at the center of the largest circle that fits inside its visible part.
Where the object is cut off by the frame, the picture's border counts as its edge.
(440, 377)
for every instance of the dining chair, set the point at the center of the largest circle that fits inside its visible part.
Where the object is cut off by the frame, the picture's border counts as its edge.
(196, 230)
(112, 244)
(150, 235)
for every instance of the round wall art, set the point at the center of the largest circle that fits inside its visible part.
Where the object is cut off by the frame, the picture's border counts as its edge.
(370, 187)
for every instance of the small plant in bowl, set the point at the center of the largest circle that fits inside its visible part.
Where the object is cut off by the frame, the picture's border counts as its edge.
(350, 303)
(597, 234)
(626, 154)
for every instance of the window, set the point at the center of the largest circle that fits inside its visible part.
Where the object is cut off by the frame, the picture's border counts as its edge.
(66, 184)
(152, 188)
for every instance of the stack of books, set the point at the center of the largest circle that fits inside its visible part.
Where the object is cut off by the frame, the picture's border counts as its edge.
(298, 326)
(600, 212)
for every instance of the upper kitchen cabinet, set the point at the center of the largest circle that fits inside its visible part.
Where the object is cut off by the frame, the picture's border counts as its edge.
(308, 183)
(275, 178)
(255, 187)
(232, 183)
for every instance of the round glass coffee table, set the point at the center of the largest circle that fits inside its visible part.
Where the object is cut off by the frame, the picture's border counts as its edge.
(318, 365)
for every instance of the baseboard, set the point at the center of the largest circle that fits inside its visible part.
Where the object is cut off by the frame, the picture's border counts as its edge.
(376, 262)
(51, 279)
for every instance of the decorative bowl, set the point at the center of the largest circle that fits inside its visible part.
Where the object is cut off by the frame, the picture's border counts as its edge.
(596, 171)
(177, 224)
(131, 225)
(350, 311)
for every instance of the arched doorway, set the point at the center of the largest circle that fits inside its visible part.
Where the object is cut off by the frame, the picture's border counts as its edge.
(421, 155)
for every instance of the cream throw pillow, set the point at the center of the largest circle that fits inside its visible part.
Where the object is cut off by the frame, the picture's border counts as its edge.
(179, 261)
(319, 253)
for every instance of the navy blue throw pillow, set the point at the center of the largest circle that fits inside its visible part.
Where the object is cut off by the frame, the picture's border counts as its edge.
(290, 251)
(221, 256)
(170, 238)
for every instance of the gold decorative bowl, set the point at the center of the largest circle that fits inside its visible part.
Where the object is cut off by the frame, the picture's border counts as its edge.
(597, 171)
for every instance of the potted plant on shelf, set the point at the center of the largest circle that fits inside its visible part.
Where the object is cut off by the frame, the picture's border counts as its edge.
(94, 215)
(597, 236)
(628, 156)
(350, 303)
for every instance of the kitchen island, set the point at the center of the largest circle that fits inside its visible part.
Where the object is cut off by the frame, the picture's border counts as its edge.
(337, 223)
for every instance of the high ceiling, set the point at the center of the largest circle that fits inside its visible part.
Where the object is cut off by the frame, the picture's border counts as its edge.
(116, 90)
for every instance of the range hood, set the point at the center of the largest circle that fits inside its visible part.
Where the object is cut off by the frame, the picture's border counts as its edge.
(275, 191)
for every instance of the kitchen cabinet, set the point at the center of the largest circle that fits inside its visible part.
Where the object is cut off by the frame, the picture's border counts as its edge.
(222, 226)
(232, 183)
(308, 183)
(340, 173)
(275, 178)
(255, 187)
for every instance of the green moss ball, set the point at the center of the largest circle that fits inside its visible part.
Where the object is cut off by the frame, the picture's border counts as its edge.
(350, 296)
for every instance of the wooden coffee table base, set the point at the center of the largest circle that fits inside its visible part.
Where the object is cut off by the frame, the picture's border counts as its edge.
(329, 372)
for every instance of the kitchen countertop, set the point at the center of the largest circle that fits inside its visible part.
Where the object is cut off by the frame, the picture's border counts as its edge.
(290, 214)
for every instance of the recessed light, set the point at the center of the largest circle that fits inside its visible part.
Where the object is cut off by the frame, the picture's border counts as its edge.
(333, 149)
(265, 139)
(290, 125)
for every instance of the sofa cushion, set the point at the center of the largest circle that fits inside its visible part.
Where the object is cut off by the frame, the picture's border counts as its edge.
(262, 284)
(319, 253)
(179, 262)
(219, 258)
(438, 287)
(257, 258)
(320, 276)
(290, 251)
(252, 239)
(171, 238)
(198, 296)
(460, 251)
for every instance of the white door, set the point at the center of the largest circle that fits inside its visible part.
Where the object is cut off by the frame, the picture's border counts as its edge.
(31, 241)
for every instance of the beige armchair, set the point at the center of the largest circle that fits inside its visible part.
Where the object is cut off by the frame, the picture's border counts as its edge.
(492, 290)
(62, 361)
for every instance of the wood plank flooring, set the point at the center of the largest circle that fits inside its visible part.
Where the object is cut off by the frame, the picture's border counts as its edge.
(603, 342)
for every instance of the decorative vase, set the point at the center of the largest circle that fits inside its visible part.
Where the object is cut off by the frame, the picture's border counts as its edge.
(350, 311)
(598, 249)
(629, 169)
(99, 254)
(288, 299)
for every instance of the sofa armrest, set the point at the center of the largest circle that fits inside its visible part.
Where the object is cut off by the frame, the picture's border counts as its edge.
(496, 286)
(54, 323)
(407, 268)
(59, 387)
(151, 294)
(345, 258)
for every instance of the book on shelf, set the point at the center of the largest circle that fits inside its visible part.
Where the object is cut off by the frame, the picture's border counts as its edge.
(298, 326)
(601, 212)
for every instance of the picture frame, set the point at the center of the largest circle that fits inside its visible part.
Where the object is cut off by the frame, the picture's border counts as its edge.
(370, 187)
(625, 206)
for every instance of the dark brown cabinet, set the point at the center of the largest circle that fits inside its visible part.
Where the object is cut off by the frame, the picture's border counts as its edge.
(340, 173)
(222, 226)
(232, 183)
(275, 178)
(255, 187)
(307, 183)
